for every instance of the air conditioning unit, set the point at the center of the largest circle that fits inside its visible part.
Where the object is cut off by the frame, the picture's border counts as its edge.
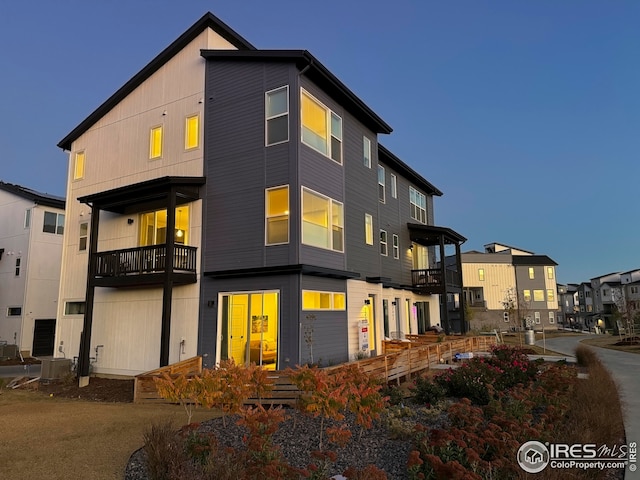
(8, 351)
(53, 368)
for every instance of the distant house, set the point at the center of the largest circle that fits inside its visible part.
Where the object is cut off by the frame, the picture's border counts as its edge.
(240, 206)
(509, 288)
(31, 235)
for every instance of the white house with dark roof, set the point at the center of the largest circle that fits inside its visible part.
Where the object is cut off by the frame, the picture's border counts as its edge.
(31, 234)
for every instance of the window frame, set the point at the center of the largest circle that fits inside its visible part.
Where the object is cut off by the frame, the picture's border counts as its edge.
(539, 295)
(188, 131)
(393, 185)
(18, 265)
(268, 118)
(368, 229)
(536, 318)
(384, 244)
(395, 246)
(59, 223)
(481, 276)
(366, 151)
(79, 303)
(331, 226)
(14, 311)
(552, 318)
(526, 295)
(332, 300)
(550, 295)
(268, 217)
(27, 218)
(416, 210)
(532, 273)
(79, 165)
(153, 154)
(82, 246)
(382, 191)
(505, 316)
(330, 115)
(550, 274)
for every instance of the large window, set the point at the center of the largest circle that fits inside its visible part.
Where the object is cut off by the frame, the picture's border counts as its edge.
(53, 223)
(277, 215)
(384, 247)
(153, 227)
(321, 128)
(322, 221)
(277, 116)
(78, 166)
(538, 295)
(318, 300)
(366, 152)
(191, 132)
(368, 229)
(418, 205)
(381, 184)
(155, 142)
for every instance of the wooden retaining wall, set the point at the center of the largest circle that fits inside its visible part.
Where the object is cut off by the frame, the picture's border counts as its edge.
(411, 358)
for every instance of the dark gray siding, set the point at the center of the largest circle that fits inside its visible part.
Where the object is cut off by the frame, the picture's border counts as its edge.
(288, 331)
(325, 331)
(239, 167)
(538, 283)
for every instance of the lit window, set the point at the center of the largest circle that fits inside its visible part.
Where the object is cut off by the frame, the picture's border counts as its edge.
(53, 223)
(383, 243)
(589, 308)
(366, 152)
(532, 274)
(394, 186)
(368, 229)
(396, 246)
(317, 300)
(27, 218)
(322, 221)
(78, 166)
(74, 308)
(552, 318)
(155, 142)
(381, 183)
(550, 295)
(526, 294)
(538, 295)
(84, 233)
(14, 311)
(549, 272)
(277, 116)
(153, 227)
(321, 128)
(481, 274)
(277, 215)
(418, 204)
(191, 132)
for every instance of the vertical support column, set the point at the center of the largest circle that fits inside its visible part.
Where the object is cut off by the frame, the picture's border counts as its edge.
(167, 290)
(85, 340)
(444, 307)
(464, 328)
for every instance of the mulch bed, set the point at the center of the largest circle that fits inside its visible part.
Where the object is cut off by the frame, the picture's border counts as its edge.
(98, 390)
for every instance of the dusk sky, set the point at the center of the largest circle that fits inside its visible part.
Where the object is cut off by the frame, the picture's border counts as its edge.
(525, 114)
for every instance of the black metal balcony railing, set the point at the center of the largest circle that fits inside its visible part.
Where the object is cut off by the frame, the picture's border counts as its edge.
(143, 260)
(430, 279)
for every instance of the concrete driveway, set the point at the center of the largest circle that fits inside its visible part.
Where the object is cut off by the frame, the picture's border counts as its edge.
(625, 368)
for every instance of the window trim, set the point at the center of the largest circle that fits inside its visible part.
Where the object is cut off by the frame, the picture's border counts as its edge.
(384, 244)
(287, 214)
(153, 155)
(330, 115)
(187, 131)
(78, 165)
(267, 118)
(330, 225)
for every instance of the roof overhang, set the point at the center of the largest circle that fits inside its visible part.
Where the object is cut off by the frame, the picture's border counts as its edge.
(147, 195)
(432, 235)
(388, 158)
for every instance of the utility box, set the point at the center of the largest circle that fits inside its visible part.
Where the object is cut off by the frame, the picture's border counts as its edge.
(54, 368)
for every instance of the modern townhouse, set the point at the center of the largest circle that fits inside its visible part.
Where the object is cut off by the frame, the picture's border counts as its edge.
(509, 288)
(607, 294)
(238, 205)
(31, 236)
(568, 305)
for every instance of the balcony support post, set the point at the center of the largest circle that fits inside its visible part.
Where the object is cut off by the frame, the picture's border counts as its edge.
(167, 290)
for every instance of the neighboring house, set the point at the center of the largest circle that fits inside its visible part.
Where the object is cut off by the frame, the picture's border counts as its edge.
(508, 288)
(31, 235)
(630, 305)
(239, 206)
(569, 306)
(607, 294)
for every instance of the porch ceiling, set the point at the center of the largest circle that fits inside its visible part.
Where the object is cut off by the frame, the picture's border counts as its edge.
(146, 195)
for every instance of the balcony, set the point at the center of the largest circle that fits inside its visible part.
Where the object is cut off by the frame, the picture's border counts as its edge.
(144, 266)
(429, 281)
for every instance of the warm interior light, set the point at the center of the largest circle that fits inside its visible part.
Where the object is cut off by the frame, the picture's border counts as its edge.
(179, 233)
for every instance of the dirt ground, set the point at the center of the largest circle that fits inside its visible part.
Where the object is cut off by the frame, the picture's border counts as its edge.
(99, 390)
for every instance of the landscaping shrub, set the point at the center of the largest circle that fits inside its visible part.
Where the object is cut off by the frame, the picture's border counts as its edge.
(164, 450)
(427, 392)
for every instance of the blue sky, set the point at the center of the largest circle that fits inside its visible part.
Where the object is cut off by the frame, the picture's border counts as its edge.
(525, 114)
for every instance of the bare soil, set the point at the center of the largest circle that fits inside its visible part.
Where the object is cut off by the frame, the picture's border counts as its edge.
(99, 390)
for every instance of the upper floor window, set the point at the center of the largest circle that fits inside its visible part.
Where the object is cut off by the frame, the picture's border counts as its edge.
(155, 142)
(538, 295)
(418, 202)
(381, 184)
(191, 132)
(586, 294)
(84, 235)
(368, 229)
(53, 223)
(526, 294)
(396, 246)
(481, 274)
(549, 272)
(384, 249)
(277, 115)
(366, 152)
(550, 295)
(27, 218)
(394, 186)
(153, 227)
(321, 128)
(277, 215)
(322, 221)
(78, 166)
(532, 273)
